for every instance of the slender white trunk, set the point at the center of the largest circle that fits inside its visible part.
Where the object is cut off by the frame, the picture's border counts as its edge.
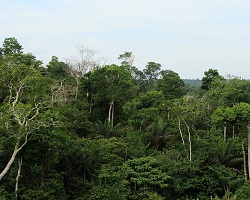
(189, 140)
(90, 106)
(190, 144)
(20, 162)
(248, 150)
(65, 94)
(112, 116)
(77, 87)
(12, 159)
(225, 133)
(110, 108)
(244, 160)
(17, 148)
(111, 104)
(89, 95)
(183, 142)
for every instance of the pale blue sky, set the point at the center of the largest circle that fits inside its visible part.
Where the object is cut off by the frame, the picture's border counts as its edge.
(186, 36)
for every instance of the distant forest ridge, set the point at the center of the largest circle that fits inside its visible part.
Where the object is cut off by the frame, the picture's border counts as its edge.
(193, 82)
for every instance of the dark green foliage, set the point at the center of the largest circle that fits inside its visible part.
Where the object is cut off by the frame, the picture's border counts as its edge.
(11, 53)
(107, 129)
(152, 70)
(151, 74)
(171, 85)
(107, 89)
(58, 69)
(209, 77)
(229, 92)
(143, 175)
(243, 192)
(10, 46)
(130, 134)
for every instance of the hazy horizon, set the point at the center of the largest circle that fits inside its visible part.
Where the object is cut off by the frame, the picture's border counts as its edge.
(188, 37)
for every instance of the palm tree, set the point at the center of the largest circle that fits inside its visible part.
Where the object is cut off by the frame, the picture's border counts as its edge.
(106, 129)
(158, 133)
(225, 154)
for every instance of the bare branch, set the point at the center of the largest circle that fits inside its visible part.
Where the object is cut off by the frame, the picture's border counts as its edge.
(15, 98)
(24, 143)
(79, 66)
(36, 108)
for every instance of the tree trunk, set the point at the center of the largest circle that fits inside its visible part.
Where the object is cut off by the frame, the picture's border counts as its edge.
(134, 187)
(77, 87)
(189, 140)
(111, 104)
(12, 159)
(65, 94)
(17, 148)
(183, 142)
(20, 162)
(248, 150)
(225, 133)
(89, 95)
(244, 159)
(190, 144)
(90, 106)
(112, 116)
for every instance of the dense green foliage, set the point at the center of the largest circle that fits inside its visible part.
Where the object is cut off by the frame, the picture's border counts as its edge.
(127, 134)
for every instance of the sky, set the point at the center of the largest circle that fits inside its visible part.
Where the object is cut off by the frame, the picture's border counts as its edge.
(185, 36)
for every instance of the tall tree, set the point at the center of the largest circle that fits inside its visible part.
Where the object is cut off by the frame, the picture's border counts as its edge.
(27, 100)
(208, 79)
(229, 92)
(171, 85)
(242, 112)
(10, 46)
(63, 81)
(152, 70)
(110, 85)
(127, 59)
(82, 64)
(58, 69)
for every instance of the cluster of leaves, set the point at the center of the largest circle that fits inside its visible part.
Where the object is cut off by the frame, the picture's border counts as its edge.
(117, 132)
